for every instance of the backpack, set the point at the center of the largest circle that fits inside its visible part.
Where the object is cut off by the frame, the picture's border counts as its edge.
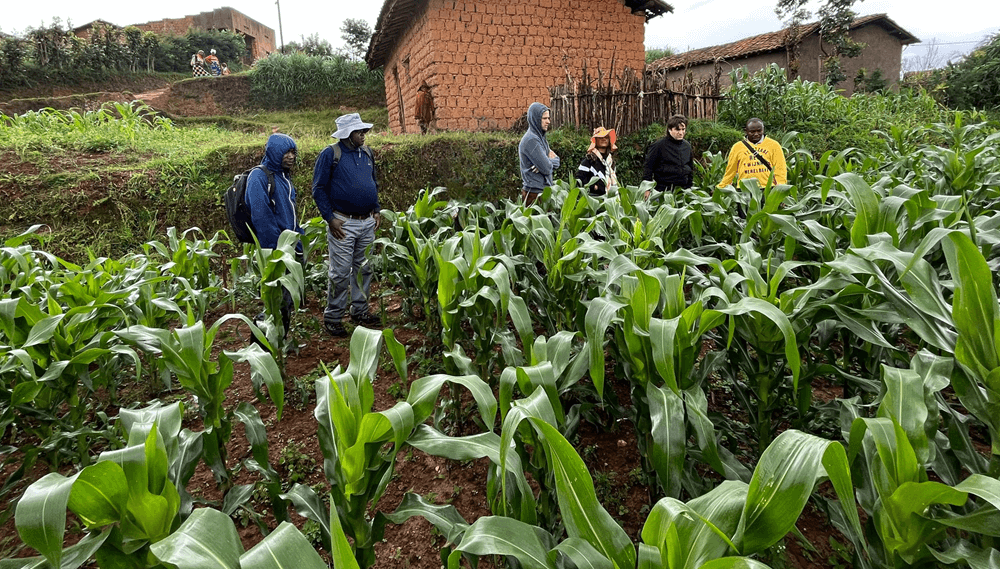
(237, 209)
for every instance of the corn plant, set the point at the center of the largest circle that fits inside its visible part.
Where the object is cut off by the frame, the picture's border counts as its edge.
(977, 320)
(912, 519)
(351, 436)
(52, 357)
(277, 272)
(734, 520)
(748, 291)
(187, 353)
(130, 506)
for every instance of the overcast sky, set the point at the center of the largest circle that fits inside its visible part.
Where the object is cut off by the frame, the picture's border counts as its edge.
(957, 25)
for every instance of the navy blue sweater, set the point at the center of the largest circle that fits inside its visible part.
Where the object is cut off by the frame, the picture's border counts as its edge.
(351, 188)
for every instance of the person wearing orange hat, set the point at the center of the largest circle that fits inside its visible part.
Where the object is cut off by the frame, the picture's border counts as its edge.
(598, 165)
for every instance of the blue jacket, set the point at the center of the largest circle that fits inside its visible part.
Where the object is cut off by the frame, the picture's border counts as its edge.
(352, 188)
(269, 219)
(533, 152)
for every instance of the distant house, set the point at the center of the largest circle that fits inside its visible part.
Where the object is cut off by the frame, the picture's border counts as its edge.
(87, 30)
(486, 61)
(883, 38)
(259, 38)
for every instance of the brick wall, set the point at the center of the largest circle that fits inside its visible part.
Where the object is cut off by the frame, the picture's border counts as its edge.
(259, 38)
(487, 61)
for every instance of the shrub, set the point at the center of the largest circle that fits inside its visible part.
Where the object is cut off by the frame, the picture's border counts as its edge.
(298, 80)
(824, 117)
(975, 81)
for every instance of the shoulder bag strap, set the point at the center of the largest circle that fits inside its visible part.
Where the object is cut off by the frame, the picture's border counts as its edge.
(757, 155)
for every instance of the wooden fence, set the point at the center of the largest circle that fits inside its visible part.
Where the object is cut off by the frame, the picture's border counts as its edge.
(630, 101)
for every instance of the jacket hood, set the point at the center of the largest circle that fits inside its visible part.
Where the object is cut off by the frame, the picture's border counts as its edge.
(535, 112)
(277, 145)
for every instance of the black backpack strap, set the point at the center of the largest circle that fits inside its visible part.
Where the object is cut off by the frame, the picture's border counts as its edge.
(757, 155)
(270, 184)
(336, 157)
(371, 155)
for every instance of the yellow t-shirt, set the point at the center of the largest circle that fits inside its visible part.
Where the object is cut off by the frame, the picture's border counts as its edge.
(742, 164)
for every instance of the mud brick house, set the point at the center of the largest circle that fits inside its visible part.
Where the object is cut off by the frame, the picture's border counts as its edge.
(259, 38)
(883, 39)
(87, 30)
(486, 61)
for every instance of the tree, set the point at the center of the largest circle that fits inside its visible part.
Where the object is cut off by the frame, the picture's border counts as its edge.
(835, 17)
(658, 53)
(356, 34)
(312, 45)
(974, 82)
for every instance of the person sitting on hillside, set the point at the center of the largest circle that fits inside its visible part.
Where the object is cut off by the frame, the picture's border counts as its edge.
(198, 64)
(669, 162)
(213, 64)
(598, 164)
(537, 160)
(756, 156)
(225, 69)
(425, 108)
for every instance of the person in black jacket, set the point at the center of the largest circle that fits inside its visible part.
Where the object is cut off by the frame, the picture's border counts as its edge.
(599, 163)
(669, 162)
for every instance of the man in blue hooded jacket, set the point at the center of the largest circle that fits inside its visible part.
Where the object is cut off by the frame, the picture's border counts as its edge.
(273, 212)
(346, 195)
(538, 161)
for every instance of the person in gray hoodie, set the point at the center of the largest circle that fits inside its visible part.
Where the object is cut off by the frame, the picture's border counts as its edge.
(538, 161)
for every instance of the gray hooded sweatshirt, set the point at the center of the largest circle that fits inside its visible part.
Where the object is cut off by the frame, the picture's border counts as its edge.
(533, 151)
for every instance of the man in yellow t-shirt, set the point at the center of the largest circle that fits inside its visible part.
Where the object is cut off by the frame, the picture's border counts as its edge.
(756, 156)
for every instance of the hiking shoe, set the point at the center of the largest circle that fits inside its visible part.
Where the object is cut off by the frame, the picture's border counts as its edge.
(366, 319)
(335, 329)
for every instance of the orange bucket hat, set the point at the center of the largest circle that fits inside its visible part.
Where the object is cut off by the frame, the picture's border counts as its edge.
(601, 132)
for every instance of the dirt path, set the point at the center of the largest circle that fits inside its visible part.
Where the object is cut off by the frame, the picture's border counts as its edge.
(156, 98)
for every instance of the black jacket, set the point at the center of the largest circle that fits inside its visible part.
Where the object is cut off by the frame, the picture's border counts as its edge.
(592, 167)
(669, 164)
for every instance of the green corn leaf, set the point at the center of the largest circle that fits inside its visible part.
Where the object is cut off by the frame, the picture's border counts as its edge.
(974, 308)
(73, 556)
(342, 554)
(309, 505)
(583, 515)
(206, 540)
(40, 515)
(424, 392)
(734, 563)
(601, 312)
(287, 548)
(494, 535)
(782, 482)
(444, 517)
(99, 494)
(668, 436)
(583, 555)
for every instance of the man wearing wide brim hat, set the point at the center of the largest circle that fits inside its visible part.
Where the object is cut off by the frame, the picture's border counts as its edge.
(346, 192)
(599, 165)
